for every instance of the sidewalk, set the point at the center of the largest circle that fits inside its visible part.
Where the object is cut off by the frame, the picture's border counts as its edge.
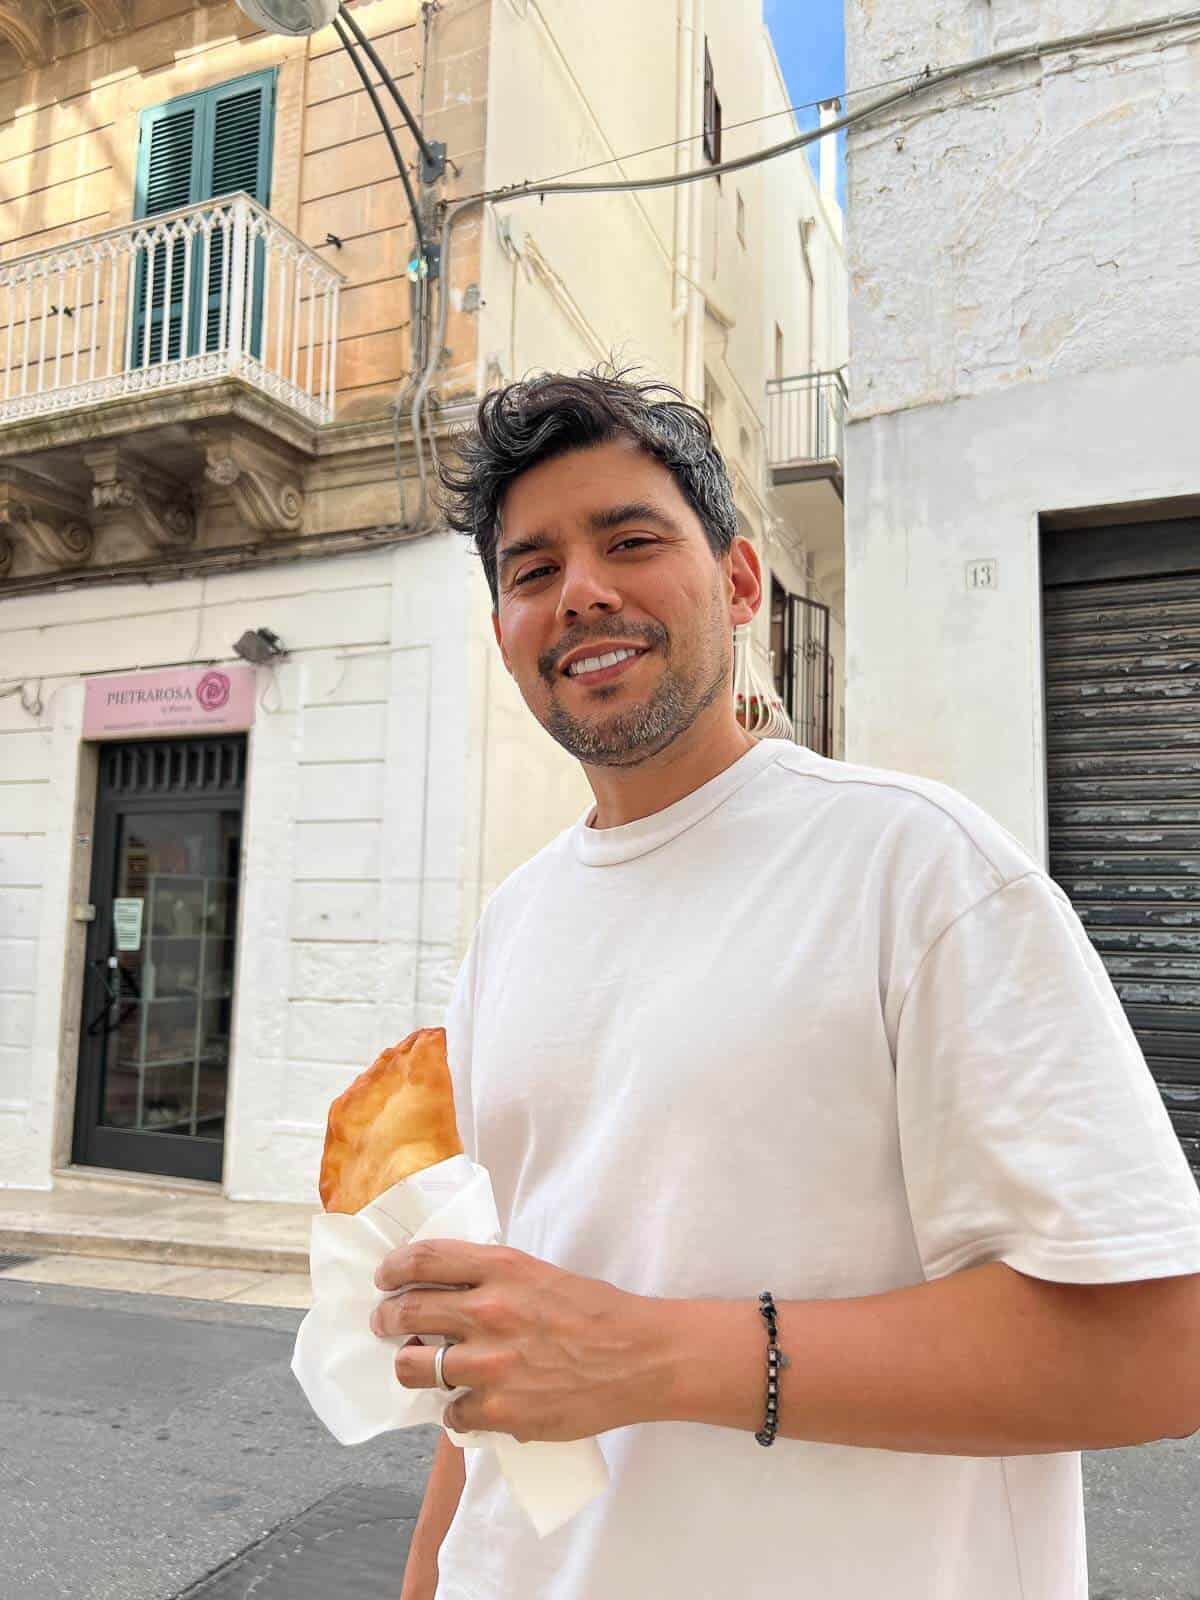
(156, 1237)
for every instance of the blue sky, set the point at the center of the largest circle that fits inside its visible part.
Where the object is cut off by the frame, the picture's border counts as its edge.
(810, 43)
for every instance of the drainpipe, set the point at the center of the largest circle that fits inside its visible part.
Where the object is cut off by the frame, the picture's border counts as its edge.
(684, 156)
(694, 340)
(827, 162)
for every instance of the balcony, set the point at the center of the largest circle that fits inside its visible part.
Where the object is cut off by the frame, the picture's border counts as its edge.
(148, 367)
(246, 298)
(806, 417)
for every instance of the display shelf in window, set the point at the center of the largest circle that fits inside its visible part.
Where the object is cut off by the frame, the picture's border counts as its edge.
(186, 961)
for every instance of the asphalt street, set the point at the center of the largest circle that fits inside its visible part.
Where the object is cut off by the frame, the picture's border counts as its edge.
(156, 1449)
(144, 1441)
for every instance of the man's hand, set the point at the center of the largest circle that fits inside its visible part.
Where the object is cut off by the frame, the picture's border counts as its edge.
(546, 1354)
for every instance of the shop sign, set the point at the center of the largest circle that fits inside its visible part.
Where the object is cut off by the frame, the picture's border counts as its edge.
(175, 700)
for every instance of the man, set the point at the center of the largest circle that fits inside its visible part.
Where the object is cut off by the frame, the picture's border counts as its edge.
(763, 1021)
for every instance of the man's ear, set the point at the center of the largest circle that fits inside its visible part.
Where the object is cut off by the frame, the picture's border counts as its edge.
(500, 642)
(745, 578)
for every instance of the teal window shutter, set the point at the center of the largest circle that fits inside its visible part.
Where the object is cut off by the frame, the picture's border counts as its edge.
(194, 148)
(168, 175)
(238, 157)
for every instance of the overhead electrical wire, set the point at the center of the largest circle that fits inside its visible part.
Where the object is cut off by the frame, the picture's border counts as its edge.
(921, 83)
(731, 127)
(388, 131)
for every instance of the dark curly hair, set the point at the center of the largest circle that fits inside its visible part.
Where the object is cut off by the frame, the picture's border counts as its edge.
(528, 422)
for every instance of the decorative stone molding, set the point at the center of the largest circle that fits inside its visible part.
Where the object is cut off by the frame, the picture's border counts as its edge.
(51, 521)
(263, 480)
(157, 507)
(26, 26)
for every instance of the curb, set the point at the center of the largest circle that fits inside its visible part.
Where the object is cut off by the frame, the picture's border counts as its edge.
(182, 1252)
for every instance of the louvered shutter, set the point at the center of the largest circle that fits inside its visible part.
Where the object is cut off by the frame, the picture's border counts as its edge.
(199, 147)
(169, 168)
(238, 158)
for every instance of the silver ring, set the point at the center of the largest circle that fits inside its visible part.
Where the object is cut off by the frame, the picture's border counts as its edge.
(439, 1376)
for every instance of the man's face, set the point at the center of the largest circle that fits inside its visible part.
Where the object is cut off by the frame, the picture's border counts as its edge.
(600, 552)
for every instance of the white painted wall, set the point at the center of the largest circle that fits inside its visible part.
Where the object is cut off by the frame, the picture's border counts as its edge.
(1025, 335)
(351, 915)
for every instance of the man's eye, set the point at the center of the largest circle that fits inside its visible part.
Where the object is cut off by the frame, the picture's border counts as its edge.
(532, 573)
(633, 539)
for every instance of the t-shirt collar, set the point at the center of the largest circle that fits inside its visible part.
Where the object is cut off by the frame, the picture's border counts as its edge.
(606, 847)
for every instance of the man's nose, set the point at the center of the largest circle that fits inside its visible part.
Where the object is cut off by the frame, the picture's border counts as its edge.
(585, 588)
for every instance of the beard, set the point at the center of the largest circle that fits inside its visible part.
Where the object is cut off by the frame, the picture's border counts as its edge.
(629, 737)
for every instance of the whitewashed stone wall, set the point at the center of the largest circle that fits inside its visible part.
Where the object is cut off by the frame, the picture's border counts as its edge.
(1023, 224)
(1025, 338)
(351, 914)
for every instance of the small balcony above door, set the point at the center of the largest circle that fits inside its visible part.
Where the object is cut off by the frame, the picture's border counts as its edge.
(147, 367)
(806, 416)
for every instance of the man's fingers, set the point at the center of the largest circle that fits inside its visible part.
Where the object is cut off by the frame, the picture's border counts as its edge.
(414, 1367)
(445, 1311)
(449, 1261)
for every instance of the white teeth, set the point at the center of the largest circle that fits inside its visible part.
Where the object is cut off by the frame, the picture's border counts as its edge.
(594, 663)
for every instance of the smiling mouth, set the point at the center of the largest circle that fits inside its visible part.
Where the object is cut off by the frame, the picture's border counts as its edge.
(602, 667)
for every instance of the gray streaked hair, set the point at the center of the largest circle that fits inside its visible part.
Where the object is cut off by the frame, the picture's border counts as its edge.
(537, 418)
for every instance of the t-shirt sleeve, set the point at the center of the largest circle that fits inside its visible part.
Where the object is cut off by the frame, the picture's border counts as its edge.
(459, 1025)
(1031, 1129)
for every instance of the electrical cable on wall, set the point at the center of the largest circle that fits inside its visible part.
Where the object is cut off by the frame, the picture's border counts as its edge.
(924, 82)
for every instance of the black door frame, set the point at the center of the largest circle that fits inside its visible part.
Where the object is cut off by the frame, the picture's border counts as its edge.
(125, 1149)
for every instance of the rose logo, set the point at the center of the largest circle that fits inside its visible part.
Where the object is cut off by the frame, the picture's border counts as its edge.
(213, 691)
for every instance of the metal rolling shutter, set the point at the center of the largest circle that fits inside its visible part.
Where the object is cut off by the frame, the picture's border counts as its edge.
(1122, 658)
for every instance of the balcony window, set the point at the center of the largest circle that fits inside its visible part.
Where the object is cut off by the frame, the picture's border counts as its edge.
(203, 284)
(194, 148)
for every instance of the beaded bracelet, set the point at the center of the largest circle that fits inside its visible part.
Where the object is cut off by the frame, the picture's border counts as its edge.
(775, 1361)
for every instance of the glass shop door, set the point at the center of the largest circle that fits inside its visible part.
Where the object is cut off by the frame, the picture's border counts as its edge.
(161, 962)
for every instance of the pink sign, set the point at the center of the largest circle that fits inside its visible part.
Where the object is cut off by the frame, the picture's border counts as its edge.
(176, 700)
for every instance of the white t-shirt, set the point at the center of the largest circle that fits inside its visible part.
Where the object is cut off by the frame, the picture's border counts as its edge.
(828, 1031)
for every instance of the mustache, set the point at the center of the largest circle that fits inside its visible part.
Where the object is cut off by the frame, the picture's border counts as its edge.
(651, 634)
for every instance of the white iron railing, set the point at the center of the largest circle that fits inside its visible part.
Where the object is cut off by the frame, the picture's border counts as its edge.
(213, 289)
(806, 416)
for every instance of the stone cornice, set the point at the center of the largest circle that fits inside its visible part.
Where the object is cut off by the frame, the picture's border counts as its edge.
(126, 416)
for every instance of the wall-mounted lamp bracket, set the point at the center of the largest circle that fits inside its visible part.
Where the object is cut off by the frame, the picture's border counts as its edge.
(433, 161)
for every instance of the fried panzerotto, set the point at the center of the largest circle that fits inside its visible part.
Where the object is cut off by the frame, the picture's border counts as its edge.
(395, 1119)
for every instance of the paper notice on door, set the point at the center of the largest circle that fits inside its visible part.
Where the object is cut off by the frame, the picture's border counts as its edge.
(127, 923)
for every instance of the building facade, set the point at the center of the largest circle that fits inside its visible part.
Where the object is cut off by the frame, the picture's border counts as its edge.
(229, 877)
(1023, 554)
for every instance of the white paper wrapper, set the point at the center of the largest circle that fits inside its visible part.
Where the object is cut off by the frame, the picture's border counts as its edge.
(346, 1370)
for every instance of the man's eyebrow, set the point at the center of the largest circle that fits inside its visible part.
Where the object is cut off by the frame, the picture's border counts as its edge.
(600, 521)
(521, 547)
(632, 511)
